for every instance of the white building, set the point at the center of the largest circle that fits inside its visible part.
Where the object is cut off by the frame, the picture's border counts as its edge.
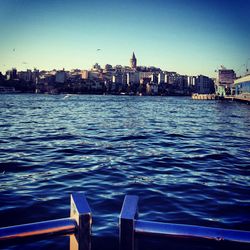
(191, 81)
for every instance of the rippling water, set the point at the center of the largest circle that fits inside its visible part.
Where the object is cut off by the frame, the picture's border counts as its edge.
(189, 161)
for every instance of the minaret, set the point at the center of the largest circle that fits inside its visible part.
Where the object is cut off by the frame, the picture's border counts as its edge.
(133, 61)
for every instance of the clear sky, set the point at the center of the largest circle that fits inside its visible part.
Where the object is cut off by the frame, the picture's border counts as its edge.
(188, 36)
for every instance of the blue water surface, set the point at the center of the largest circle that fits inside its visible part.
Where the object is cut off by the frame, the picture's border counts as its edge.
(188, 160)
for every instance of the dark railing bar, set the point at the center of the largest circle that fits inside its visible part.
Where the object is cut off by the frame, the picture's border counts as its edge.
(60, 226)
(150, 228)
(78, 226)
(130, 225)
(126, 221)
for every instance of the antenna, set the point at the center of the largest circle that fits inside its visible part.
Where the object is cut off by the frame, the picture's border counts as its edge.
(247, 66)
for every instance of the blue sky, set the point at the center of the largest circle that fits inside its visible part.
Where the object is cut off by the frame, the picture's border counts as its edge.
(188, 36)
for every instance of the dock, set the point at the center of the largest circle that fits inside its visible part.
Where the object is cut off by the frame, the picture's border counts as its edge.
(240, 98)
(204, 96)
(243, 98)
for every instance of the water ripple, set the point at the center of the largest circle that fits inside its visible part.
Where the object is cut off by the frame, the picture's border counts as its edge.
(188, 161)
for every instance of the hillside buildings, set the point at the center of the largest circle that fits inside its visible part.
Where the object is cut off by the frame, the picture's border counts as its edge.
(133, 80)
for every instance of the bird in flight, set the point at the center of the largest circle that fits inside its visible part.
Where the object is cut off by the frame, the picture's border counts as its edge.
(14, 49)
(98, 49)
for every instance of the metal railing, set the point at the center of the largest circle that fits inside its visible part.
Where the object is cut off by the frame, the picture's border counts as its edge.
(130, 226)
(78, 226)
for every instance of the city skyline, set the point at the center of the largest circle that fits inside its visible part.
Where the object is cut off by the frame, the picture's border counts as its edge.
(189, 37)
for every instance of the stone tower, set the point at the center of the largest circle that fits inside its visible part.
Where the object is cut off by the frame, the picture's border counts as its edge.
(133, 61)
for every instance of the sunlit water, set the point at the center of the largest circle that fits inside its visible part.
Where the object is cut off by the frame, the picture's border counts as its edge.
(188, 160)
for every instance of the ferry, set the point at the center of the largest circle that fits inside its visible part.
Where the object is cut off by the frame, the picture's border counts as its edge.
(242, 89)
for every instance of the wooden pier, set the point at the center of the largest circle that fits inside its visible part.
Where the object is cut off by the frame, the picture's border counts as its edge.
(240, 98)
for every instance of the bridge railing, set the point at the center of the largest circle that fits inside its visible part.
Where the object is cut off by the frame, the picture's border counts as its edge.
(78, 226)
(130, 227)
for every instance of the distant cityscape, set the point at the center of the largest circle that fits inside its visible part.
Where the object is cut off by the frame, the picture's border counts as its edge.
(118, 80)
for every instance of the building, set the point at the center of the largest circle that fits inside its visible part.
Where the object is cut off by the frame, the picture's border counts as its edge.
(225, 81)
(120, 78)
(170, 77)
(152, 88)
(144, 74)
(242, 85)
(85, 74)
(35, 75)
(133, 61)
(226, 77)
(61, 76)
(2, 78)
(96, 67)
(154, 78)
(180, 85)
(94, 75)
(11, 74)
(133, 77)
(204, 85)
(29, 75)
(22, 75)
(108, 67)
(161, 78)
(191, 81)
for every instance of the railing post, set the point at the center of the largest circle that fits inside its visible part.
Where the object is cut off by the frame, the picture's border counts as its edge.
(80, 211)
(127, 222)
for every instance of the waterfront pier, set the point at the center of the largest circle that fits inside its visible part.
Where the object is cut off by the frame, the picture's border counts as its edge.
(204, 96)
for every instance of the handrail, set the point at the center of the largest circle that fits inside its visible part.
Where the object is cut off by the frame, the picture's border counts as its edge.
(129, 227)
(44, 228)
(190, 231)
(78, 226)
